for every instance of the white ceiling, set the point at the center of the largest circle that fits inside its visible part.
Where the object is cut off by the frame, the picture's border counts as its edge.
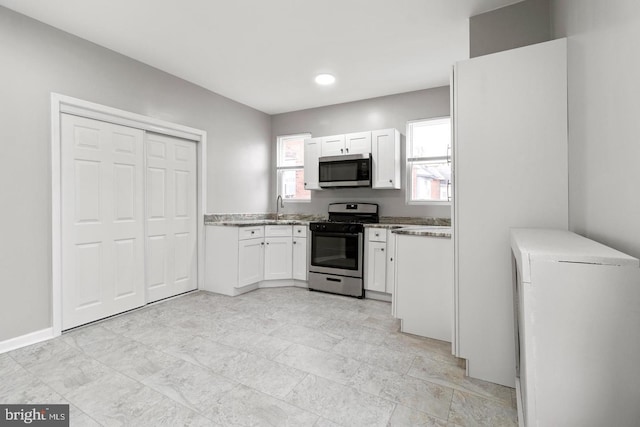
(265, 53)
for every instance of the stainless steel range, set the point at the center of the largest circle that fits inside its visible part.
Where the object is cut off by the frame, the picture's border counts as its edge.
(337, 249)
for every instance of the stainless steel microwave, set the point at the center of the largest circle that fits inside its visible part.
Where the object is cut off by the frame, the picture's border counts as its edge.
(350, 170)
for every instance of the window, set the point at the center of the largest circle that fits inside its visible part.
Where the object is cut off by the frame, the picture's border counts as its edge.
(290, 167)
(429, 160)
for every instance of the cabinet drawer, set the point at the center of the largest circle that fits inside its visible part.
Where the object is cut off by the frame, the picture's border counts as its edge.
(277, 231)
(250, 232)
(377, 235)
(300, 230)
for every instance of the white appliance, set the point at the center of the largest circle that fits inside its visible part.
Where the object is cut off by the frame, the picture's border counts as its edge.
(578, 331)
(510, 170)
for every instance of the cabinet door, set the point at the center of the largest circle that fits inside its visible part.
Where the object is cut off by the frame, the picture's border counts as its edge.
(357, 143)
(278, 258)
(311, 155)
(332, 145)
(250, 261)
(424, 288)
(300, 258)
(376, 267)
(391, 265)
(385, 156)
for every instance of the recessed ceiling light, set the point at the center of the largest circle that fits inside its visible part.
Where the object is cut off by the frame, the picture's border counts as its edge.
(325, 79)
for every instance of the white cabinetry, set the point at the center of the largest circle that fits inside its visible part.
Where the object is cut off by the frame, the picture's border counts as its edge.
(300, 263)
(384, 146)
(376, 266)
(250, 261)
(240, 259)
(311, 155)
(385, 158)
(379, 262)
(510, 136)
(351, 143)
(332, 145)
(357, 143)
(424, 285)
(278, 252)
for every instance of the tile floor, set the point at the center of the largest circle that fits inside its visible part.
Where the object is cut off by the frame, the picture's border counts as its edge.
(272, 357)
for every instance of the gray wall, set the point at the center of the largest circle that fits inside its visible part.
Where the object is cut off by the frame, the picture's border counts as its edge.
(517, 25)
(38, 60)
(377, 113)
(604, 130)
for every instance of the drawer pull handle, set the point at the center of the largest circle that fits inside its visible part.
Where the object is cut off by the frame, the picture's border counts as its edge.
(331, 279)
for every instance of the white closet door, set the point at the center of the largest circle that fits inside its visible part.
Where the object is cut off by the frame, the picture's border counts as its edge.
(102, 220)
(171, 216)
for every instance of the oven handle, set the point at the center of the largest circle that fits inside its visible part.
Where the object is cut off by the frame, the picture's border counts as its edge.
(325, 234)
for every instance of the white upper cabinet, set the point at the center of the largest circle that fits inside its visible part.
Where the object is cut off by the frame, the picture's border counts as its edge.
(311, 155)
(332, 145)
(385, 158)
(357, 143)
(351, 143)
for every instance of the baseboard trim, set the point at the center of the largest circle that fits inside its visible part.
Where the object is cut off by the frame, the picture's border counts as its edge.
(25, 340)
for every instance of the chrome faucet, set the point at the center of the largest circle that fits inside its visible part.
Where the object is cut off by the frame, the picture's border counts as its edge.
(279, 204)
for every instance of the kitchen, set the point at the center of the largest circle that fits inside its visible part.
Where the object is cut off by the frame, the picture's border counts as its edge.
(78, 68)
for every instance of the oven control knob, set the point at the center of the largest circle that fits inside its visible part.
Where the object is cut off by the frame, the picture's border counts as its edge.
(353, 229)
(323, 227)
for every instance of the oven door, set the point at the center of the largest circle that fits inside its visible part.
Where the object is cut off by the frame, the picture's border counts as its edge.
(336, 253)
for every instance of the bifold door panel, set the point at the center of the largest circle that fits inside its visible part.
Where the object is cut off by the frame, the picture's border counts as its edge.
(102, 219)
(171, 216)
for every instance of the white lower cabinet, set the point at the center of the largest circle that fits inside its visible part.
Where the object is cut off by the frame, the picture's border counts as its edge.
(300, 267)
(424, 285)
(376, 267)
(239, 259)
(300, 253)
(250, 261)
(379, 262)
(278, 258)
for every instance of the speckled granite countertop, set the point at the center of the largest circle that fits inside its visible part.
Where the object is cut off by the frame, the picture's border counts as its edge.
(249, 220)
(432, 231)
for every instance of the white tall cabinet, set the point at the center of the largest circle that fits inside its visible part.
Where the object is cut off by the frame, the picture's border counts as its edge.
(385, 155)
(311, 156)
(510, 170)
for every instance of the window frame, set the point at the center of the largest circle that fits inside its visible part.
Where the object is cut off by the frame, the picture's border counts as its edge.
(411, 161)
(279, 169)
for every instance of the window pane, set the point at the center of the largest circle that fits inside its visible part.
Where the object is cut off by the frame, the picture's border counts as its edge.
(291, 185)
(429, 181)
(291, 150)
(430, 138)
